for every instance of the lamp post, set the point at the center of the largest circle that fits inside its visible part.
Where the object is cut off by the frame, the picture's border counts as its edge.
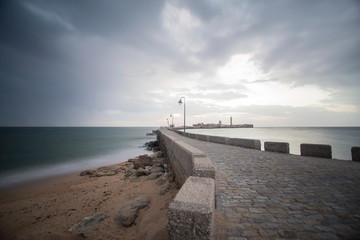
(172, 120)
(167, 120)
(180, 102)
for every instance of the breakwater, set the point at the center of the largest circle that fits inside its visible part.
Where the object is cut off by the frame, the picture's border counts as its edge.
(271, 195)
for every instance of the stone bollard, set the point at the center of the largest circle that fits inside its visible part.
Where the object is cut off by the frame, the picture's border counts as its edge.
(191, 213)
(355, 154)
(246, 143)
(316, 150)
(281, 147)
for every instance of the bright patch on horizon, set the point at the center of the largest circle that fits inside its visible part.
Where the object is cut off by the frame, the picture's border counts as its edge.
(259, 89)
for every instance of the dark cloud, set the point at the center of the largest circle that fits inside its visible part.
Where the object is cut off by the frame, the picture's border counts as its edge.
(65, 62)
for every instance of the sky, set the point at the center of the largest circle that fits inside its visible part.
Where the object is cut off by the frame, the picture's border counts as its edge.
(127, 63)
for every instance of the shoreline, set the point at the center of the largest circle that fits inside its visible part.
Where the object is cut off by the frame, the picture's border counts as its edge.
(48, 208)
(20, 176)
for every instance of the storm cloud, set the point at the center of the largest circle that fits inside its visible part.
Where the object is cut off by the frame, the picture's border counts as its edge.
(126, 63)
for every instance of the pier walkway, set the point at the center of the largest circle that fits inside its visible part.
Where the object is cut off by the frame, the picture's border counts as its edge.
(266, 195)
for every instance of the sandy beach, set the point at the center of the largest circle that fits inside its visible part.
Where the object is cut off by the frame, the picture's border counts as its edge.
(48, 209)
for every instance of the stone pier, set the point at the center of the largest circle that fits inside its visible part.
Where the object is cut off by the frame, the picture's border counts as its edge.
(270, 195)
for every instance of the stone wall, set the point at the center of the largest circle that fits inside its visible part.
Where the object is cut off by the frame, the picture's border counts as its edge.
(191, 213)
(311, 150)
(240, 142)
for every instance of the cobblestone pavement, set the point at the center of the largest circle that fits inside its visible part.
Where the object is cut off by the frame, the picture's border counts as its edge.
(265, 195)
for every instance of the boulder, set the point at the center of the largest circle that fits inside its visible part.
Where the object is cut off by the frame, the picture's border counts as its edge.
(143, 161)
(128, 213)
(152, 146)
(102, 171)
(154, 176)
(88, 225)
(141, 172)
(156, 169)
(130, 172)
(87, 172)
(165, 188)
(161, 180)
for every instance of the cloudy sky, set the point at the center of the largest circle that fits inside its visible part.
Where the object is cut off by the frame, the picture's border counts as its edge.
(127, 62)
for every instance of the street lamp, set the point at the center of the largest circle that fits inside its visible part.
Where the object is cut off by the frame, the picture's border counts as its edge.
(172, 121)
(180, 102)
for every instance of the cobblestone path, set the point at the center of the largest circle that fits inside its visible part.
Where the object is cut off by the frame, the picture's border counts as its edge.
(264, 195)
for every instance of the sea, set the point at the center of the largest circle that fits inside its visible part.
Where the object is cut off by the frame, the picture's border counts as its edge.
(32, 153)
(341, 139)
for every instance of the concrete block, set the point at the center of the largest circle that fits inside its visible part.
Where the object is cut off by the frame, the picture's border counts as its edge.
(191, 213)
(246, 143)
(202, 137)
(355, 154)
(203, 167)
(219, 139)
(316, 150)
(281, 147)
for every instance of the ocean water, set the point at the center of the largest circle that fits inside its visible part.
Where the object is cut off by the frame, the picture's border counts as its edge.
(341, 139)
(29, 153)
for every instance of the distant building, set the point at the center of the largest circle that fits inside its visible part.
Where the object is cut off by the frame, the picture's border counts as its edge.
(220, 125)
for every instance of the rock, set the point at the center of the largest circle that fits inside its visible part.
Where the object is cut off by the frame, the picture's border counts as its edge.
(164, 189)
(161, 180)
(154, 176)
(130, 172)
(152, 146)
(87, 172)
(143, 161)
(128, 213)
(156, 169)
(170, 176)
(102, 171)
(89, 224)
(142, 172)
(133, 178)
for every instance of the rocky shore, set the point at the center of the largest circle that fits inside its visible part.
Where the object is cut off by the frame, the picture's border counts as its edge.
(123, 201)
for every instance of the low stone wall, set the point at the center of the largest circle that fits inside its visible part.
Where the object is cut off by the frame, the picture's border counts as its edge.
(240, 142)
(185, 159)
(202, 137)
(191, 213)
(316, 150)
(310, 150)
(281, 147)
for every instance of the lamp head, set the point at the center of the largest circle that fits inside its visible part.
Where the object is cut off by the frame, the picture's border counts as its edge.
(180, 102)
